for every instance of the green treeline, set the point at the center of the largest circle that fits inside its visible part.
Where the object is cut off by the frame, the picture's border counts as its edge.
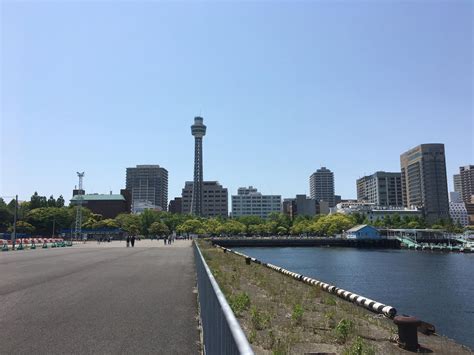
(40, 215)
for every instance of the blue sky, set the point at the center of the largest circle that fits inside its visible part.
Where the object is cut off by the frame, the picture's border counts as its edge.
(284, 88)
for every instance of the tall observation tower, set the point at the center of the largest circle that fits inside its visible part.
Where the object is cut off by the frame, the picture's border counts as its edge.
(198, 130)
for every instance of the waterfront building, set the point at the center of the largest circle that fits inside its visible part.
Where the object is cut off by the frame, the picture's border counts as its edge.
(467, 182)
(362, 231)
(148, 186)
(381, 188)
(250, 202)
(458, 213)
(457, 183)
(374, 212)
(198, 130)
(214, 202)
(176, 205)
(321, 186)
(424, 181)
(108, 205)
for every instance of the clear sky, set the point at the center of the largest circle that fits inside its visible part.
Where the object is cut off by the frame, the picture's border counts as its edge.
(284, 88)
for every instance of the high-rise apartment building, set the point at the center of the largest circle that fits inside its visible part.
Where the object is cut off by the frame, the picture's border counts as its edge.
(424, 182)
(148, 186)
(467, 182)
(381, 188)
(321, 186)
(214, 199)
(250, 202)
(457, 183)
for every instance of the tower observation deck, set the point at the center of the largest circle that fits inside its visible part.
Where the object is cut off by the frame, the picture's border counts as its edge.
(198, 130)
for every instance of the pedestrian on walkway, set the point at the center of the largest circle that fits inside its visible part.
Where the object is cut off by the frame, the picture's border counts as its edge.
(164, 240)
(132, 240)
(128, 241)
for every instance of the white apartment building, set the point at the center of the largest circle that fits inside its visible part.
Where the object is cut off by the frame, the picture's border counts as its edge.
(250, 202)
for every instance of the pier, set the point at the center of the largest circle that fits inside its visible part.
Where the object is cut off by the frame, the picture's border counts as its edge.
(385, 243)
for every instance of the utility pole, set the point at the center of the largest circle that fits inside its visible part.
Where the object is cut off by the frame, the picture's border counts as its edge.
(15, 217)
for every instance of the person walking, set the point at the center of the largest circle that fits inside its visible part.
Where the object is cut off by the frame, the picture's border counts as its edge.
(128, 241)
(164, 240)
(132, 240)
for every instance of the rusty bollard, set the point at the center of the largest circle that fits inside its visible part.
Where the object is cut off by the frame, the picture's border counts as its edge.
(247, 261)
(407, 332)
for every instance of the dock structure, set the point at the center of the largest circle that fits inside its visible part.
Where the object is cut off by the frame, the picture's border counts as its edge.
(434, 240)
(401, 241)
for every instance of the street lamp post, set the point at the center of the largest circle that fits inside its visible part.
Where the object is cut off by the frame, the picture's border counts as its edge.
(15, 217)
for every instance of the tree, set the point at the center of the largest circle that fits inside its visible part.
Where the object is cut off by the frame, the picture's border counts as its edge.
(147, 218)
(331, 224)
(22, 227)
(131, 223)
(6, 216)
(51, 201)
(193, 226)
(358, 218)
(60, 201)
(158, 228)
(44, 218)
(37, 201)
(212, 226)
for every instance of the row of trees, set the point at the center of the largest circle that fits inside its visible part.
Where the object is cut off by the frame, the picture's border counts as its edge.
(43, 216)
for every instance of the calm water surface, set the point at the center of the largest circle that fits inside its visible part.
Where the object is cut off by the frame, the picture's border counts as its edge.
(435, 287)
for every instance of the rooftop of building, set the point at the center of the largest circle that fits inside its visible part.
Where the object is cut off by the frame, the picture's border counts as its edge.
(358, 228)
(98, 197)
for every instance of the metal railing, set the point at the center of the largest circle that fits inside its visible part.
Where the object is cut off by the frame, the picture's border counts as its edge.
(221, 331)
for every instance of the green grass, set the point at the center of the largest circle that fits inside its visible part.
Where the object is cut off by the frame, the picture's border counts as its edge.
(239, 302)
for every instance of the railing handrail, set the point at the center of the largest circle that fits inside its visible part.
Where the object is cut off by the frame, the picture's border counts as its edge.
(234, 326)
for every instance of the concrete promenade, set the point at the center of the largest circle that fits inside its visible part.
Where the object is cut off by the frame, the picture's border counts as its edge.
(99, 298)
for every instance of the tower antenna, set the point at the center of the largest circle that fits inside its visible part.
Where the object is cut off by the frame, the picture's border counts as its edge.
(78, 227)
(198, 130)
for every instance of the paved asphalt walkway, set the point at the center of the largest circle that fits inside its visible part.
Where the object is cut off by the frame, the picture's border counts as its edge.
(101, 299)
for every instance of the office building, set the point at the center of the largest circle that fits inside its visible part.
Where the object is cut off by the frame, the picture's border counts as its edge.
(214, 199)
(250, 202)
(467, 182)
(303, 205)
(148, 185)
(458, 213)
(176, 205)
(424, 182)
(198, 130)
(381, 188)
(321, 186)
(107, 205)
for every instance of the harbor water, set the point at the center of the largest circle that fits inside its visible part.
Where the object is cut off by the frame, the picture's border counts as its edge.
(436, 287)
